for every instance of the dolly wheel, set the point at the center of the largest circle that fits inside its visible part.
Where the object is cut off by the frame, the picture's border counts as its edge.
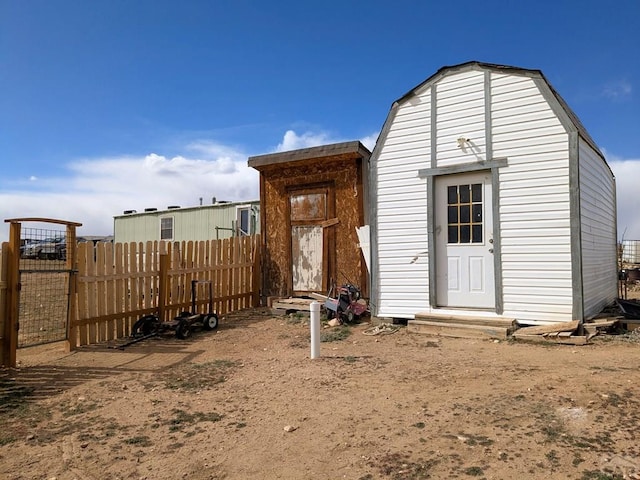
(349, 316)
(210, 321)
(145, 326)
(183, 330)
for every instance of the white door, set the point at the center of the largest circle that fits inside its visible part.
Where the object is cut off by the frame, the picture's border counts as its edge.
(306, 256)
(464, 241)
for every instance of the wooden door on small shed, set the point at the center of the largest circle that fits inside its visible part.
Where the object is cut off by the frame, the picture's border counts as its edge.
(310, 242)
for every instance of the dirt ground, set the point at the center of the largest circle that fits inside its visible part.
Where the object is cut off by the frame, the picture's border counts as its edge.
(247, 402)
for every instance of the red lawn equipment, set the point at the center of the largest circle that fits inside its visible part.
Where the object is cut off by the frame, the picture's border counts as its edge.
(347, 306)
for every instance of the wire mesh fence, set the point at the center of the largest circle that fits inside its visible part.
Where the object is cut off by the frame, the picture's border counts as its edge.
(630, 251)
(44, 287)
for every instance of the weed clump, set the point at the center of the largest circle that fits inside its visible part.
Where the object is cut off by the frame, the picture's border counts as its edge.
(335, 334)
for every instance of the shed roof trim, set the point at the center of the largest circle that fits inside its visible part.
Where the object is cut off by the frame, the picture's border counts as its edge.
(331, 150)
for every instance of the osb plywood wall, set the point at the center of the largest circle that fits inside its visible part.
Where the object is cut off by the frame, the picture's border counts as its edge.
(277, 181)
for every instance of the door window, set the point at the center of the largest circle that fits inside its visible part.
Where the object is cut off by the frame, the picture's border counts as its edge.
(308, 207)
(464, 214)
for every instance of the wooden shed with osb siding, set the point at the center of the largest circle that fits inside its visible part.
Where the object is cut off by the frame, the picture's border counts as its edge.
(312, 200)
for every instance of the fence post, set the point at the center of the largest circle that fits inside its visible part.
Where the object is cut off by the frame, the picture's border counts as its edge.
(11, 313)
(4, 297)
(72, 304)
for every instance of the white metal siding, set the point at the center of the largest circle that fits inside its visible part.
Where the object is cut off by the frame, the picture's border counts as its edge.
(598, 230)
(534, 201)
(402, 211)
(460, 106)
(533, 195)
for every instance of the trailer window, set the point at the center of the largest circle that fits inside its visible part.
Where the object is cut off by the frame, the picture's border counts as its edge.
(166, 228)
(244, 221)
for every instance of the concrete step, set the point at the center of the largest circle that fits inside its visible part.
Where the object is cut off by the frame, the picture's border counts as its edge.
(460, 330)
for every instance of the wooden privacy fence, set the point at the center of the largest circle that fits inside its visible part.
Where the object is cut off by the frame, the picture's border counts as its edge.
(118, 283)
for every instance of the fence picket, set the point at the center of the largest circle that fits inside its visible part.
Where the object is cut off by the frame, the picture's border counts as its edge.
(81, 297)
(102, 328)
(118, 284)
(119, 292)
(215, 274)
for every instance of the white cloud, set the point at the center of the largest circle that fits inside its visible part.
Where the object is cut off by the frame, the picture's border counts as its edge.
(97, 189)
(94, 190)
(293, 141)
(617, 90)
(627, 173)
(370, 140)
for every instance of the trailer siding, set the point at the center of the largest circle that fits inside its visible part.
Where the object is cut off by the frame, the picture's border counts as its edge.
(189, 223)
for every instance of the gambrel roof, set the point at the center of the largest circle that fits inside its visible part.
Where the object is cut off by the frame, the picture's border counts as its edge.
(505, 69)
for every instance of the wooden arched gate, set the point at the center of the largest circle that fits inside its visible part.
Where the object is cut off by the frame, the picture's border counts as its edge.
(40, 281)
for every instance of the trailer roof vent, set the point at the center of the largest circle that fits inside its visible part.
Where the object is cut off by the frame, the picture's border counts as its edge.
(151, 209)
(173, 207)
(129, 212)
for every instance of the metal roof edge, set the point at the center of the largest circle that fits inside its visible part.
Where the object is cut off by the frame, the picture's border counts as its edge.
(320, 151)
(471, 65)
(193, 207)
(535, 73)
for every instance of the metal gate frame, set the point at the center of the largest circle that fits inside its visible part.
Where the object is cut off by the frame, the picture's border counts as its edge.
(11, 307)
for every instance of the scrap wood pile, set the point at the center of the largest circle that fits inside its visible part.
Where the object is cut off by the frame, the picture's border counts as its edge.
(616, 318)
(571, 333)
(565, 332)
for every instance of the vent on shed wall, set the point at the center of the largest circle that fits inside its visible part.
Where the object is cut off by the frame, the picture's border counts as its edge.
(150, 209)
(128, 212)
(173, 207)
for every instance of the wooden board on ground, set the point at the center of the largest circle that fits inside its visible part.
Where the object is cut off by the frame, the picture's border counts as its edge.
(457, 330)
(602, 323)
(553, 328)
(286, 305)
(573, 340)
(318, 297)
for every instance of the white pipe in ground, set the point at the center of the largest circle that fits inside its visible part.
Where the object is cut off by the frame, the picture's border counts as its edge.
(315, 329)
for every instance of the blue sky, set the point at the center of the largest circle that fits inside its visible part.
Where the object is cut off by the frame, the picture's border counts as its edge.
(111, 105)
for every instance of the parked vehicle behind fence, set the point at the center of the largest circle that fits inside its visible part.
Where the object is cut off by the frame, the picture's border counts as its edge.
(53, 248)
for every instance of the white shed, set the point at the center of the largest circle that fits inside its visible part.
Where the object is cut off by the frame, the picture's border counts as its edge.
(489, 198)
